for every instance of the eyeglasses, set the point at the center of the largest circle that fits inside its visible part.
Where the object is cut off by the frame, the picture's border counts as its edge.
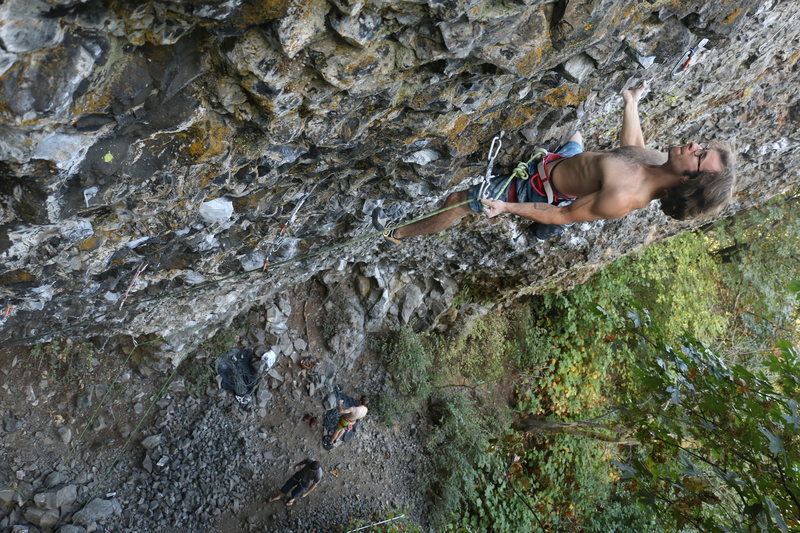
(700, 155)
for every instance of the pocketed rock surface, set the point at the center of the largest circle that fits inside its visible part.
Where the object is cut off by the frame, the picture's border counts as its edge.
(174, 139)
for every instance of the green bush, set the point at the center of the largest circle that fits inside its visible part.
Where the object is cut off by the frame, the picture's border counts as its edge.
(481, 351)
(224, 340)
(496, 507)
(390, 406)
(401, 521)
(65, 360)
(457, 449)
(757, 256)
(408, 361)
(199, 376)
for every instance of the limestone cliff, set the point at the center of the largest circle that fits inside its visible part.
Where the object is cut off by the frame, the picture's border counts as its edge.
(176, 138)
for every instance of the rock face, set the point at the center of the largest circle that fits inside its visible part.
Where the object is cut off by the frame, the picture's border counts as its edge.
(150, 149)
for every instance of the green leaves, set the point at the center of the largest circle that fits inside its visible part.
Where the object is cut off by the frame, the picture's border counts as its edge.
(729, 424)
(776, 515)
(775, 442)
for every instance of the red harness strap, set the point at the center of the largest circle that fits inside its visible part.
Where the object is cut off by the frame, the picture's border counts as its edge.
(537, 183)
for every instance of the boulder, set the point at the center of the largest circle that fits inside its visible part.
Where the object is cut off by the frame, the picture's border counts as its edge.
(303, 23)
(43, 518)
(95, 511)
(54, 499)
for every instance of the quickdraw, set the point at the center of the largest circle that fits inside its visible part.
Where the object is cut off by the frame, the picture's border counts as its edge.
(282, 233)
(139, 270)
(494, 150)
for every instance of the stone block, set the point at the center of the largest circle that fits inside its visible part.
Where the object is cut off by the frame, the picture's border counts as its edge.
(151, 442)
(304, 22)
(96, 510)
(24, 29)
(45, 518)
(578, 68)
(7, 497)
(54, 478)
(360, 71)
(70, 528)
(54, 499)
(360, 30)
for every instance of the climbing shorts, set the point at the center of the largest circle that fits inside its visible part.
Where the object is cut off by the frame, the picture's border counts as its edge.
(295, 486)
(345, 424)
(525, 192)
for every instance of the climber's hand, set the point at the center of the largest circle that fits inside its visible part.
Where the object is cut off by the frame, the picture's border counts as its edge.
(634, 95)
(492, 208)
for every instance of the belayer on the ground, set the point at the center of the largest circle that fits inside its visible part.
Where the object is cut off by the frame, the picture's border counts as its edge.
(576, 186)
(302, 483)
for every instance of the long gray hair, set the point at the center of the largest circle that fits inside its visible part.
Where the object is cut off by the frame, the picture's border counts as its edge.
(704, 193)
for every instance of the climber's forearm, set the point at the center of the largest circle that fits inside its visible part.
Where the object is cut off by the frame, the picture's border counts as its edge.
(594, 206)
(538, 211)
(631, 134)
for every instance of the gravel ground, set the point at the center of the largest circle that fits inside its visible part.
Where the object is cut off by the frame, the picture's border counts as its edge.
(198, 462)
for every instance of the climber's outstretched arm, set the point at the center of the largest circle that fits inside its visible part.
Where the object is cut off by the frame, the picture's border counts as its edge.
(595, 206)
(631, 133)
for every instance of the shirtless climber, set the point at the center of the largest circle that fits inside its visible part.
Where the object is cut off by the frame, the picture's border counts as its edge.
(349, 418)
(689, 180)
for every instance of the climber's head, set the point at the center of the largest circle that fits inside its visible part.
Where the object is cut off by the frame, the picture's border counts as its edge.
(708, 180)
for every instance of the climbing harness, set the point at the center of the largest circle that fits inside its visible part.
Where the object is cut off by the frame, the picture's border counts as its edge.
(688, 58)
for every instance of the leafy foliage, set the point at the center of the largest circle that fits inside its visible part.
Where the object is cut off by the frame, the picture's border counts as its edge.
(496, 507)
(717, 431)
(199, 376)
(406, 357)
(576, 349)
(65, 360)
(480, 351)
(456, 451)
(745, 477)
(758, 259)
(224, 340)
(572, 351)
(394, 522)
(678, 282)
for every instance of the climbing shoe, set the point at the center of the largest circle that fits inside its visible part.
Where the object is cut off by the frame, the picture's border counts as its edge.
(381, 222)
(543, 232)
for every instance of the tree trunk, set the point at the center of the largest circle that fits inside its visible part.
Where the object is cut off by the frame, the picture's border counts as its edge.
(591, 430)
